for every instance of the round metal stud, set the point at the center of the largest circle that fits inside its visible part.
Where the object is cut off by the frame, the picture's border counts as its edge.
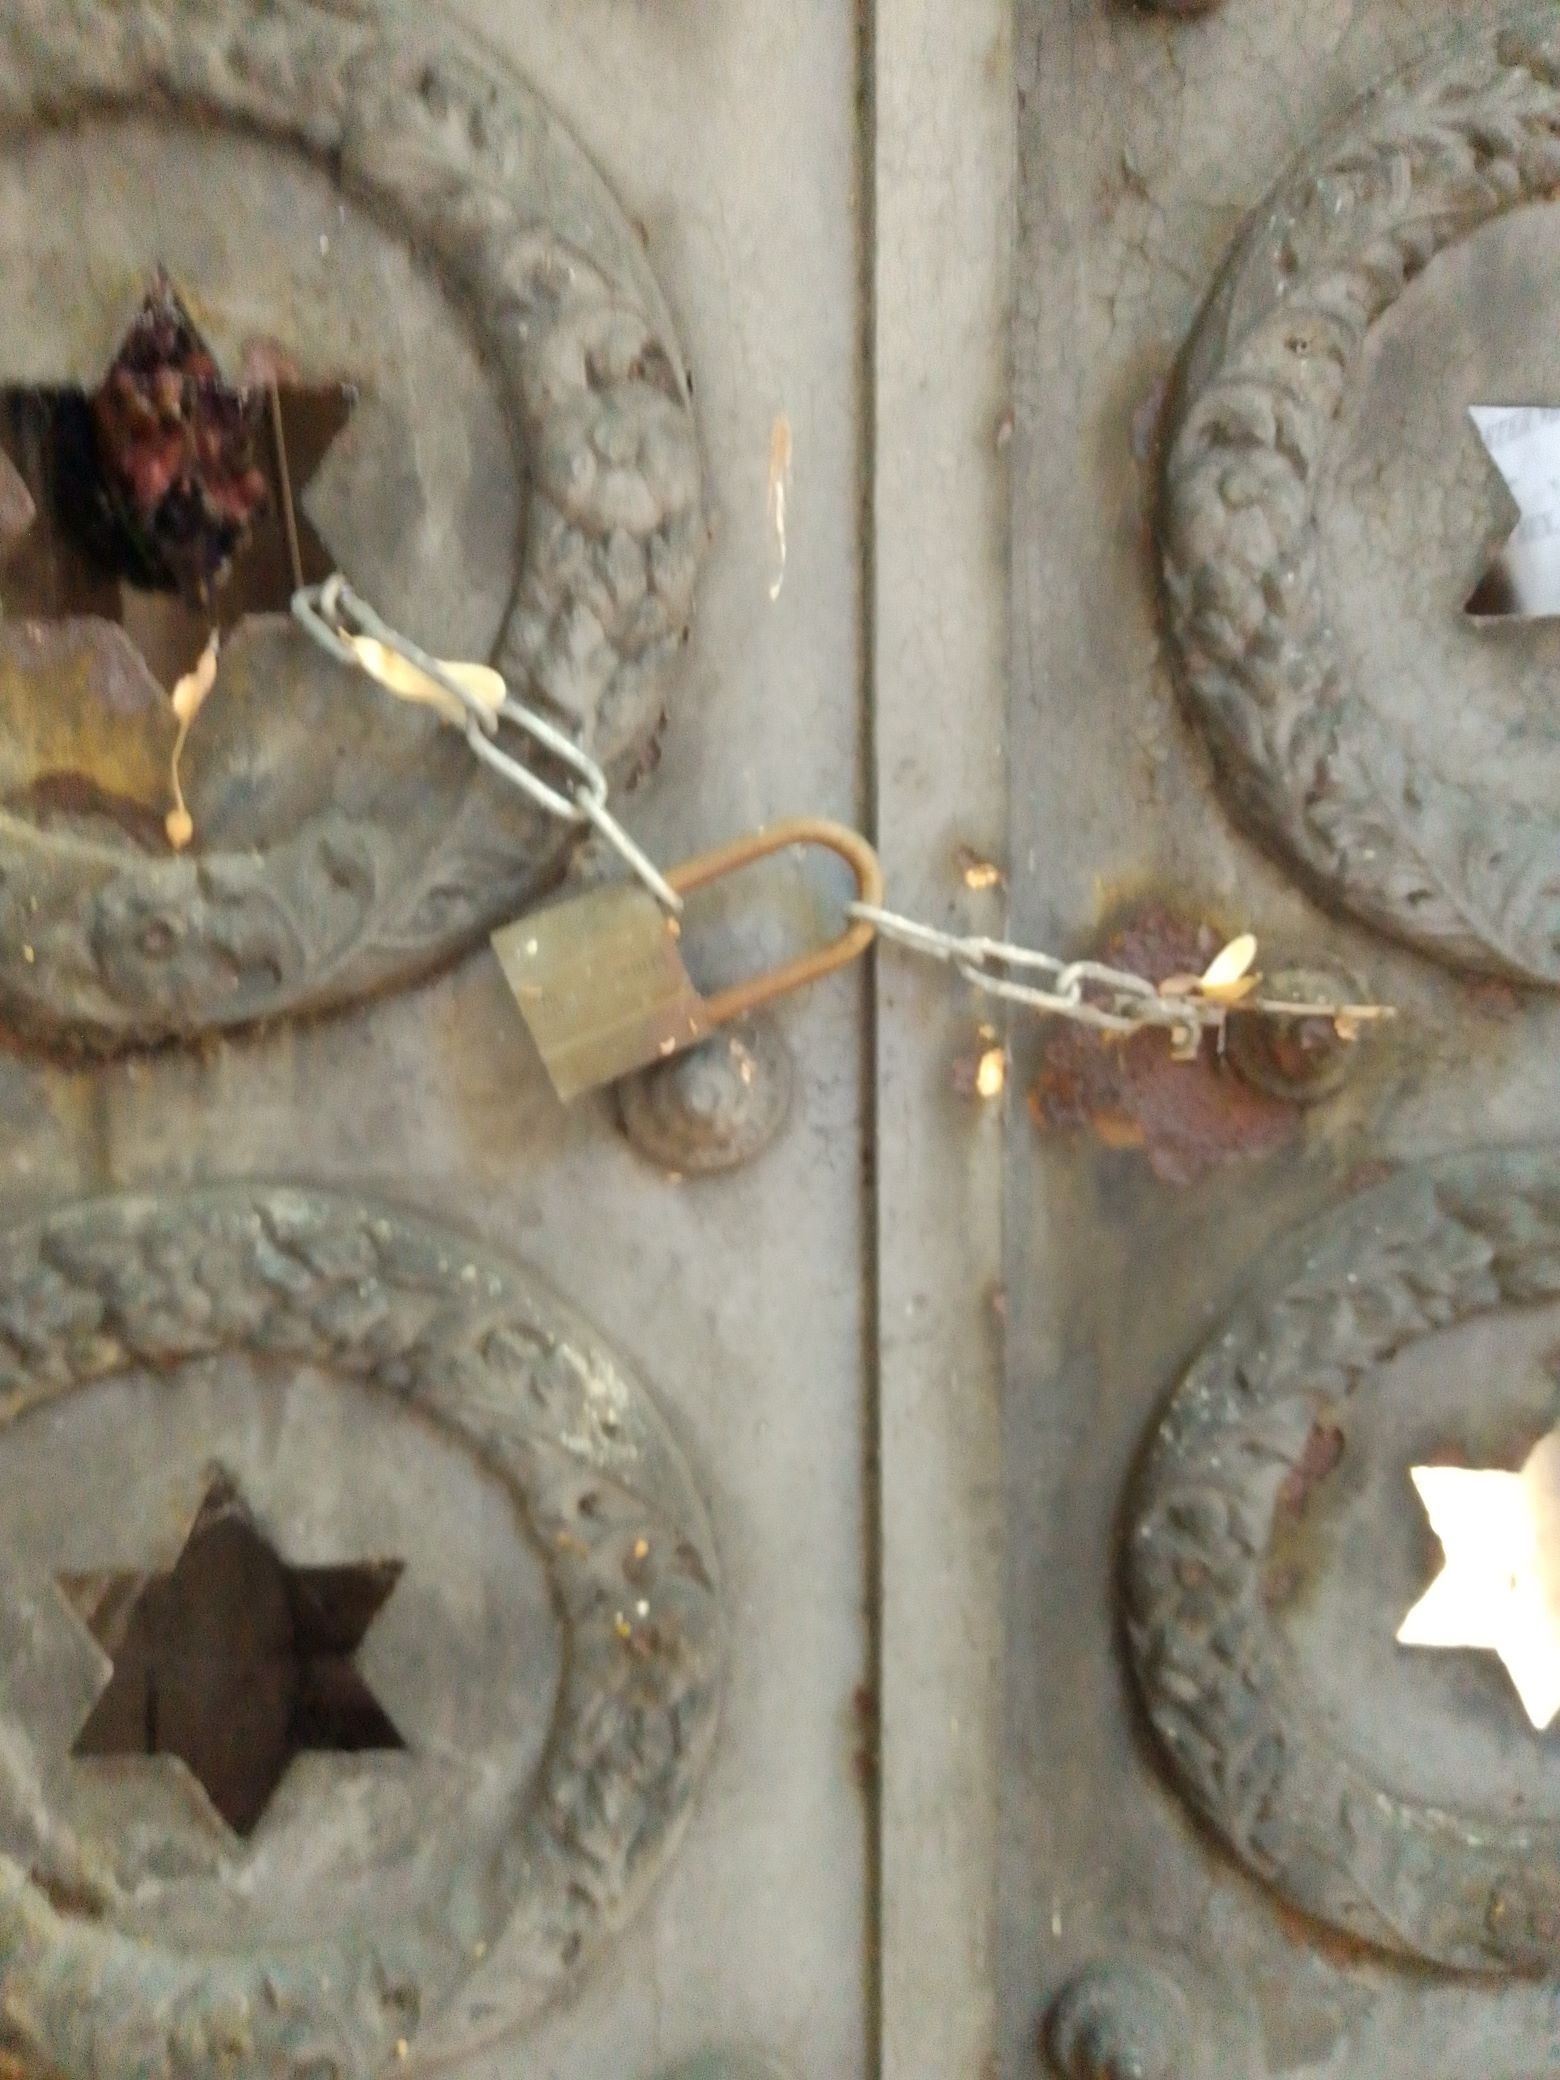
(1301, 1059)
(715, 1107)
(1119, 2022)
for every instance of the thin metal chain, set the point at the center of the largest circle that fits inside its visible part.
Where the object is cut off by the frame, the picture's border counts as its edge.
(1121, 1002)
(1125, 1002)
(1090, 993)
(333, 614)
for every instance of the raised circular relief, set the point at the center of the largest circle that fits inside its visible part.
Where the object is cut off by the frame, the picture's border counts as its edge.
(1119, 2022)
(480, 1523)
(1276, 1544)
(1393, 749)
(369, 203)
(713, 1107)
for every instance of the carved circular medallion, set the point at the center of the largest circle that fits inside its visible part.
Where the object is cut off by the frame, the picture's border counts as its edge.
(136, 1934)
(1439, 850)
(1469, 1880)
(380, 202)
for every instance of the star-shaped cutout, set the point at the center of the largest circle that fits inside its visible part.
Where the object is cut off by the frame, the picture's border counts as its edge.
(168, 498)
(1499, 1591)
(1523, 580)
(235, 1661)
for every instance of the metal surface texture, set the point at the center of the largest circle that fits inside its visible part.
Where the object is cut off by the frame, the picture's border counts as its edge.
(717, 1106)
(138, 1935)
(1056, 1432)
(521, 480)
(1268, 262)
(341, 171)
(1450, 852)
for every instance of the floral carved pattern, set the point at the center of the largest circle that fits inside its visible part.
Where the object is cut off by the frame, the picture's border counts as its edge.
(1446, 862)
(462, 161)
(149, 1285)
(1473, 1890)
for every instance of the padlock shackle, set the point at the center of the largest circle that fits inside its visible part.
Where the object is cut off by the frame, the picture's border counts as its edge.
(715, 865)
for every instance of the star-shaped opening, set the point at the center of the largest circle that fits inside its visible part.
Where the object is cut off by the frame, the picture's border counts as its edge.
(1522, 581)
(168, 498)
(1498, 1591)
(235, 1661)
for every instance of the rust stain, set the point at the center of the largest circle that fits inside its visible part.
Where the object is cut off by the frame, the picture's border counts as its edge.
(80, 714)
(1319, 1456)
(1184, 1117)
(1344, 1951)
(1293, 1054)
(1493, 998)
(72, 798)
(1364, 1177)
(1287, 1566)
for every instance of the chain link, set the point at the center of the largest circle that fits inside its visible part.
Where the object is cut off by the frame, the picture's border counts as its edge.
(1123, 1003)
(340, 623)
(1091, 993)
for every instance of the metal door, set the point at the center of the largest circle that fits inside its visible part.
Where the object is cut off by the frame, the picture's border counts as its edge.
(595, 279)
(1245, 1828)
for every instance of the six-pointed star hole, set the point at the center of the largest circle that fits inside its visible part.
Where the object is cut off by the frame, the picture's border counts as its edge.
(1499, 1590)
(168, 498)
(235, 1661)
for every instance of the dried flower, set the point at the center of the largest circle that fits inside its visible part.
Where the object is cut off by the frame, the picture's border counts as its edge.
(1228, 977)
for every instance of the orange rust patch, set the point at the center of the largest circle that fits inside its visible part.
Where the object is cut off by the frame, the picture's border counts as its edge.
(73, 797)
(1287, 1564)
(1319, 1456)
(1344, 1951)
(1494, 998)
(1364, 1177)
(1186, 1118)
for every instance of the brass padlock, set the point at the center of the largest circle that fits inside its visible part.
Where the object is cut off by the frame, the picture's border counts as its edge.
(600, 978)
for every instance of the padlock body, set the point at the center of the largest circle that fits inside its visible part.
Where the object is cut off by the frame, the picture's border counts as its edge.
(601, 985)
